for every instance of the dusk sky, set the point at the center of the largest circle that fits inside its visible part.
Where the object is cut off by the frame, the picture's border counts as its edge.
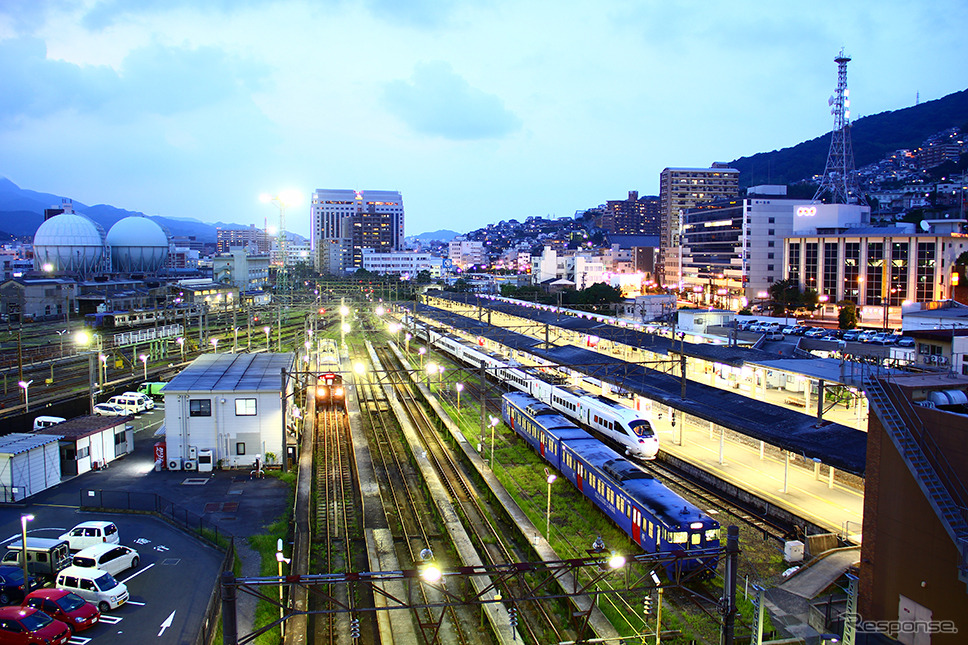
(476, 111)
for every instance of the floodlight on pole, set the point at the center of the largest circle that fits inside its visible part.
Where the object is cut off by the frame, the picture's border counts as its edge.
(26, 386)
(24, 518)
(267, 329)
(283, 200)
(144, 360)
(460, 388)
(550, 477)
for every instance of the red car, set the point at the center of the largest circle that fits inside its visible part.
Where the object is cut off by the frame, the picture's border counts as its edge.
(65, 606)
(29, 626)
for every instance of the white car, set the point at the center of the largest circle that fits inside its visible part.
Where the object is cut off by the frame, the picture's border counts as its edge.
(88, 534)
(106, 556)
(109, 410)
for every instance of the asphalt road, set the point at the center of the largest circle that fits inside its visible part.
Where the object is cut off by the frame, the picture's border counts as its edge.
(170, 588)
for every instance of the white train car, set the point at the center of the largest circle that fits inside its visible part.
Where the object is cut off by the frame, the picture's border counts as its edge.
(608, 418)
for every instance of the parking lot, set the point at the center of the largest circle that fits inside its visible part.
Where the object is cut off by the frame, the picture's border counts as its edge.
(171, 586)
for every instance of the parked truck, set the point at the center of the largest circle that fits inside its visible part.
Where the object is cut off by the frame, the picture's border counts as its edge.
(152, 388)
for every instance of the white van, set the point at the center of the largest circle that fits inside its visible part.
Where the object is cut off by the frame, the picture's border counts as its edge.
(45, 422)
(147, 402)
(131, 404)
(93, 585)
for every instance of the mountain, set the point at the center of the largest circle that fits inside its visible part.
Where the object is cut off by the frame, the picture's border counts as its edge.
(872, 137)
(22, 212)
(443, 235)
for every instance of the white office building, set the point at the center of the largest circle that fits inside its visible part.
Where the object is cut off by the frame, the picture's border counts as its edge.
(406, 264)
(228, 409)
(466, 253)
(732, 249)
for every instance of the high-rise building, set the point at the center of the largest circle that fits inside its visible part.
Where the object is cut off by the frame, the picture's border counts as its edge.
(344, 222)
(633, 216)
(679, 189)
(251, 238)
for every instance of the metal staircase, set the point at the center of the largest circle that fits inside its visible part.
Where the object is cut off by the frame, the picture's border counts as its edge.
(940, 491)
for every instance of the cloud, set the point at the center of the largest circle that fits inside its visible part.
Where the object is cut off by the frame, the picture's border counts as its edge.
(152, 80)
(441, 103)
(109, 12)
(35, 86)
(27, 15)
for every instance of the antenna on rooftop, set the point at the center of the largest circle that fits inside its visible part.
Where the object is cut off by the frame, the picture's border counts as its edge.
(839, 177)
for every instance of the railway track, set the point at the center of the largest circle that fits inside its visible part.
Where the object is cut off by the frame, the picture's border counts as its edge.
(490, 534)
(411, 516)
(337, 521)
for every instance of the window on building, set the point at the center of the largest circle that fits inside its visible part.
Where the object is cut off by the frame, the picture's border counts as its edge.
(771, 220)
(769, 256)
(769, 267)
(200, 407)
(240, 448)
(245, 407)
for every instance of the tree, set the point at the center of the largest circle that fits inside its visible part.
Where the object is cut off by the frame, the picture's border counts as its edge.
(847, 315)
(423, 277)
(460, 285)
(596, 298)
(785, 296)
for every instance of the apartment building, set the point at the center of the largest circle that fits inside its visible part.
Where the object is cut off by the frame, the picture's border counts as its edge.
(681, 189)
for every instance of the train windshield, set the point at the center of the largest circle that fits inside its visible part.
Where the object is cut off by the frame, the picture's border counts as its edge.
(642, 428)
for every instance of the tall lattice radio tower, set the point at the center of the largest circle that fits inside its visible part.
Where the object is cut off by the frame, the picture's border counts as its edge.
(840, 177)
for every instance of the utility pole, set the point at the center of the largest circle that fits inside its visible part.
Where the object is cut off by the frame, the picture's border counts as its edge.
(728, 601)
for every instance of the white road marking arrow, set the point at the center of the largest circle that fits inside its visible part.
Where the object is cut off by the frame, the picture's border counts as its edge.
(165, 625)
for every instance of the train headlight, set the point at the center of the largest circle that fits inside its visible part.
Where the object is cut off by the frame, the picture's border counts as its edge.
(338, 391)
(321, 392)
(696, 525)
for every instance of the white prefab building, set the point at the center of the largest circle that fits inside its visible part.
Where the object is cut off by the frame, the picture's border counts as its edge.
(229, 407)
(90, 442)
(29, 464)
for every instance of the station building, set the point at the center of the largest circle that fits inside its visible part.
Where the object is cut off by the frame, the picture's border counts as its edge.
(228, 410)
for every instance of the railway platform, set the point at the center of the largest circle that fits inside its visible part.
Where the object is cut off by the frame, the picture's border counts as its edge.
(749, 444)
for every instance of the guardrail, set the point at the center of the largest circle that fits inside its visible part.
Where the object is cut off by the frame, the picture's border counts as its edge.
(154, 504)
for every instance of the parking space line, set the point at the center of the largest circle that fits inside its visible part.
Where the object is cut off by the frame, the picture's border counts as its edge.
(136, 573)
(135, 602)
(78, 640)
(111, 620)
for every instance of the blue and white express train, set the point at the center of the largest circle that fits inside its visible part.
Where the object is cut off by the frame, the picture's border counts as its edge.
(613, 420)
(654, 517)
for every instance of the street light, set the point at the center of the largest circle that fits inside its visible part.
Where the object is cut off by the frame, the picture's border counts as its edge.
(422, 351)
(460, 388)
(551, 477)
(431, 370)
(214, 342)
(267, 329)
(26, 386)
(23, 551)
(181, 347)
(104, 368)
(493, 424)
(235, 342)
(280, 558)
(144, 361)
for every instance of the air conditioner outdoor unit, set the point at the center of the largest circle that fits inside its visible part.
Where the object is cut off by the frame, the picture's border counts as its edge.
(189, 464)
(942, 360)
(929, 359)
(174, 464)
